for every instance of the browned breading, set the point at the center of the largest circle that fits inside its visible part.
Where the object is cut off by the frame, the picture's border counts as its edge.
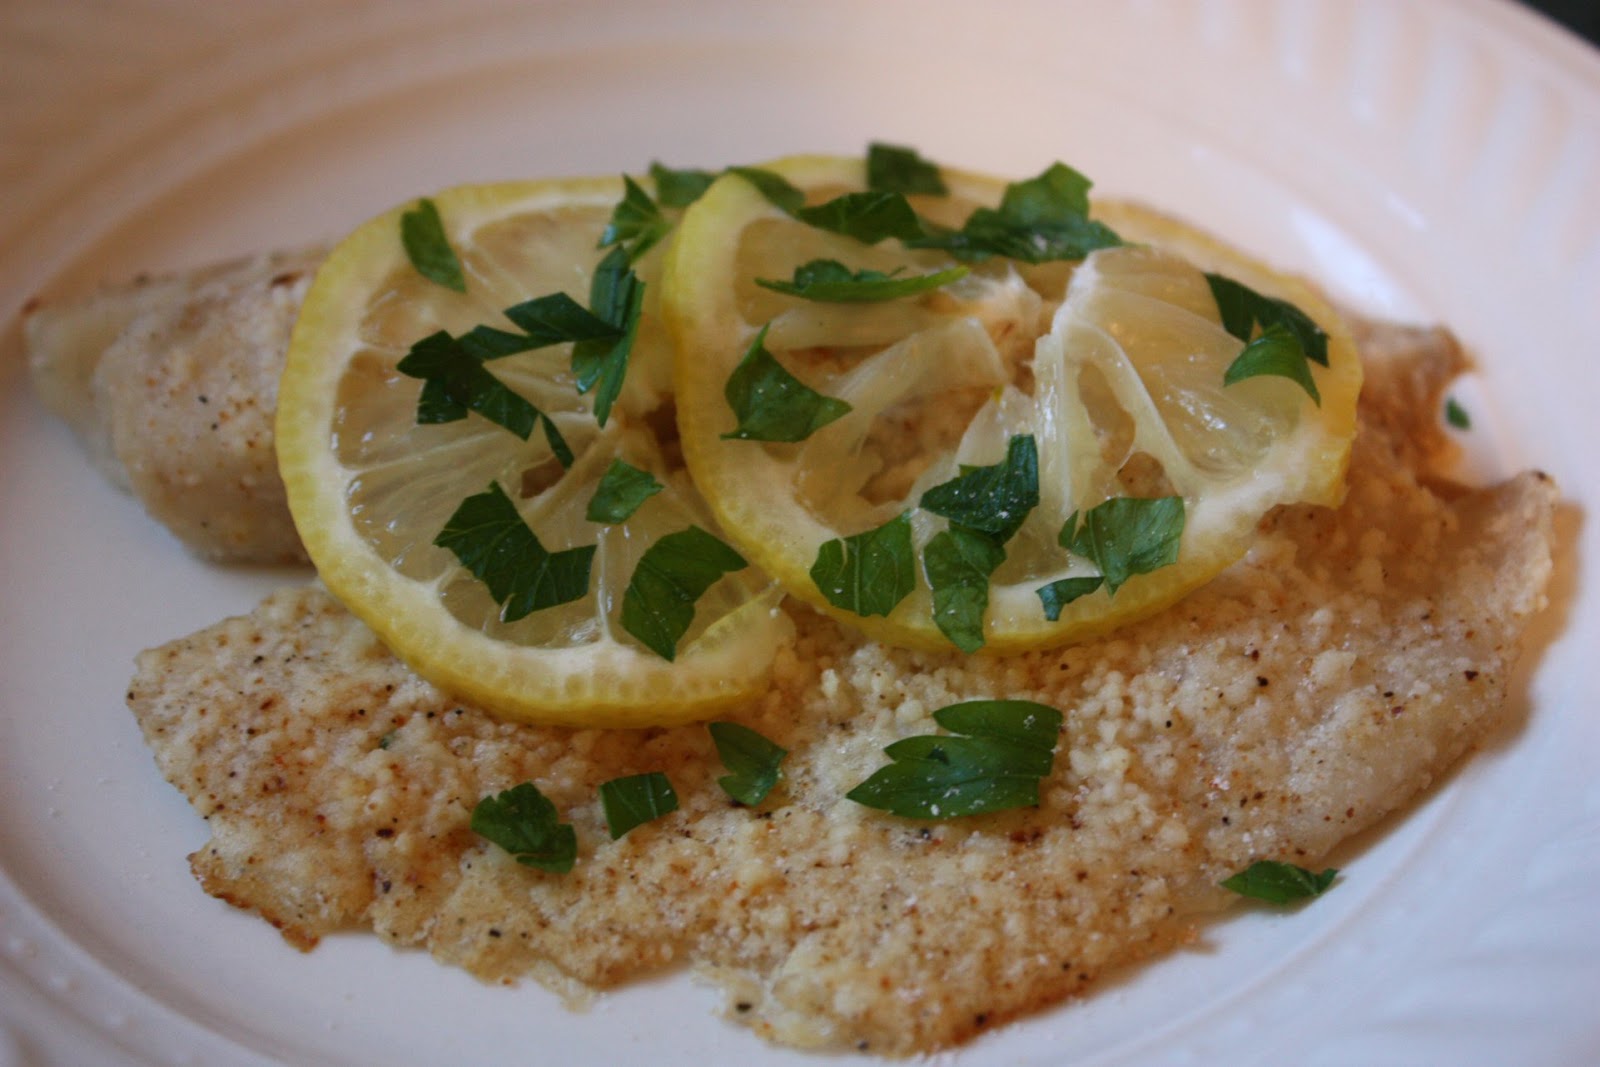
(1317, 685)
(172, 382)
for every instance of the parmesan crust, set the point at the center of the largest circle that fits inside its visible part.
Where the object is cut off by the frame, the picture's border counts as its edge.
(1315, 686)
(172, 383)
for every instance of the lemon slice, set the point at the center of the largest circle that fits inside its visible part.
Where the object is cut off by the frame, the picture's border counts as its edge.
(1113, 365)
(371, 489)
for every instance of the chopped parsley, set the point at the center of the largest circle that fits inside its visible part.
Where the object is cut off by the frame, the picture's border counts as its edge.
(522, 821)
(1242, 309)
(772, 404)
(1288, 338)
(994, 499)
(637, 223)
(455, 382)
(754, 763)
(870, 572)
(428, 248)
(1063, 591)
(829, 281)
(1456, 415)
(1038, 220)
(616, 297)
(895, 169)
(673, 573)
(997, 753)
(680, 187)
(1276, 352)
(958, 563)
(1279, 883)
(1125, 536)
(635, 800)
(487, 534)
(868, 217)
(623, 487)
(986, 506)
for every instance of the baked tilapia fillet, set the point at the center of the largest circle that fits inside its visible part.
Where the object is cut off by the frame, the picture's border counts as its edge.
(1317, 685)
(172, 383)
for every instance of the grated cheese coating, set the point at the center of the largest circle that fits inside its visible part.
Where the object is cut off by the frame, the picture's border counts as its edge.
(1319, 684)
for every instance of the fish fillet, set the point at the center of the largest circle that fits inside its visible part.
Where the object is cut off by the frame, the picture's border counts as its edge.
(172, 384)
(1317, 685)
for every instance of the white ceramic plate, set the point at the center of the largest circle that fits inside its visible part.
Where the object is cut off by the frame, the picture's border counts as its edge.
(1428, 160)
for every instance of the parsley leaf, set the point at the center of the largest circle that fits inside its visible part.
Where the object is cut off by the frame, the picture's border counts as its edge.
(636, 223)
(869, 572)
(616, 296)
(958, 563)
(544, 320)
(487, 534)
(1456, 415)
(994, 499)
(1242, 309)
(1125, 536)
(635, 800)
(428, 248)
(754, 762)
(772, 404)
(455, 381)
(1058, 594)
(522, 821)
(779, 191)
(830, 281)
(1041, 219)
(680, 188)
(1280, 883)
(1005, 749)
(673, 573)
(894, 169)
(1276, 352)
(623, 487)
(869, 216)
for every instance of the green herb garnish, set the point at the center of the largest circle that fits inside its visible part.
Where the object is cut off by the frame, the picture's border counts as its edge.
(637, 223)
(1456, 415)
(455, 381)
(1276, 352)
(623, 487)
(522, 821)
(753, 762)
(680, 188)
(673, 573)
(772, 404)
(829, 281)
(986, 506)
(1058, 594)
(1005, 748)
(893, 169)
(994, 499)
(1038, 220)
(868, 217)
(869, 572)
(616, 297)
(1125, 536)
(1243, 309)
(428, 248)
(780, 192)
(487, 534)
(958, 563)
(635, 800)
(1279, 883)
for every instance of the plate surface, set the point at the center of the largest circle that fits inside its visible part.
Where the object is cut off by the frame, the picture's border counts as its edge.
(1429, 161)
